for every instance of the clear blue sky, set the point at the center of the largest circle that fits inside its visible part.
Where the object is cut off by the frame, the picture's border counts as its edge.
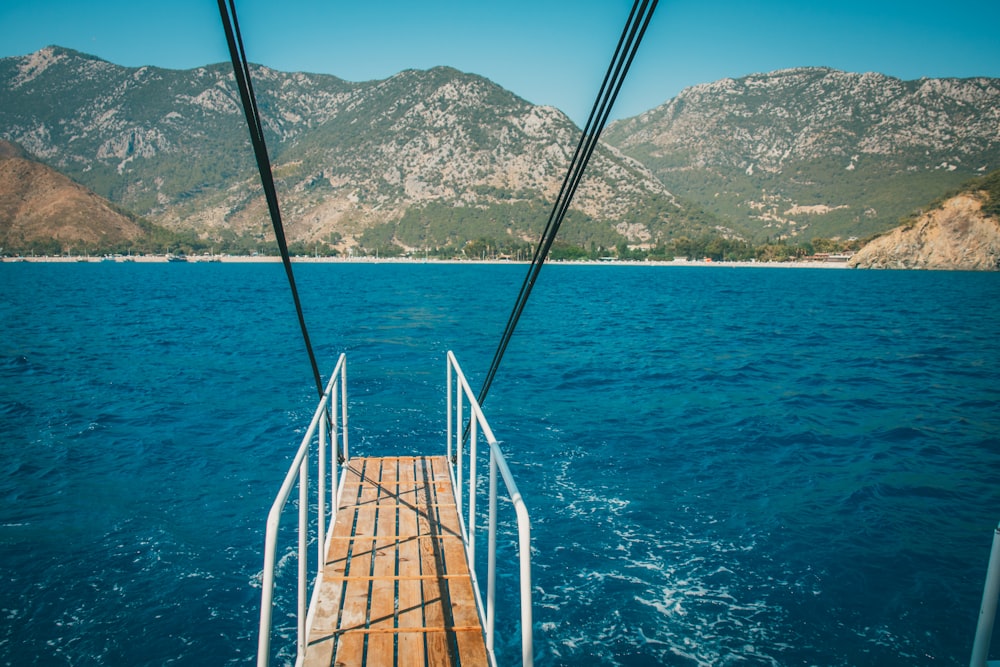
(547, 51)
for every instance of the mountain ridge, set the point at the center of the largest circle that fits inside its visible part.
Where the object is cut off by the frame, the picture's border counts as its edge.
(431, 158)
(348, 157)
(780, 152)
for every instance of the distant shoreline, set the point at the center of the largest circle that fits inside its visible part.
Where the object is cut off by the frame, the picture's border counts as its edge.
(267, 259)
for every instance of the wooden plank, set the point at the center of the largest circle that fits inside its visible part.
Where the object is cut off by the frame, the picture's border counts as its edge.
(339, 552)
(351, 647)
(461, 596)
(471, 645)
(462, 602)
(439, 649)
(411, 613)
(382, 613)
(460, 593)
(447, 517)
(319, 650)
(396, 588)
(441, 479)
(352, 482)
(322, 636)
(326, 621)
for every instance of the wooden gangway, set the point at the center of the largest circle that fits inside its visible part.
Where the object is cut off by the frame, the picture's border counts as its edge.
(396, 588)
(392, 583)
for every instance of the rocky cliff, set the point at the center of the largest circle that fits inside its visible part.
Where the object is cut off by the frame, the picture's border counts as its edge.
(956, 235)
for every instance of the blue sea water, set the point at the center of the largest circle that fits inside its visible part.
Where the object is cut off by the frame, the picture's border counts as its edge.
(723, 466)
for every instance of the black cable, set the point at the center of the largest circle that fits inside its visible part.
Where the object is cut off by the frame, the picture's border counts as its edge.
(241, 69)
(628, 44)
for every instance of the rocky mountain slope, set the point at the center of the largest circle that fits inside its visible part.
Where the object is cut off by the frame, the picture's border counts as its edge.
(817, 152)
(439, 157)
(349, 158)
(43, 210)
(960, 233)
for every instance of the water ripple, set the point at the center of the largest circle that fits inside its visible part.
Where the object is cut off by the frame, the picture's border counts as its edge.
(722, 467)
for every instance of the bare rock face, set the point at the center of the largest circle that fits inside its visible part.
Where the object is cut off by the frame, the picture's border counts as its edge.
(956, 236)
(38, 204)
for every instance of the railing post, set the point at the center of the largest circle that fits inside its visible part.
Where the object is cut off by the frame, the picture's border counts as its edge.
(448, 408)
(988, 611)
(491, 563)
(527, 629)
(343, 406)
(303, 546)
(334, 452)
(471, 526)
(267, 596)
(321, 492)
(458, 446)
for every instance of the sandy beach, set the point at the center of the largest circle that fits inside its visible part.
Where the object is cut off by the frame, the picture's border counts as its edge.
(265, 259)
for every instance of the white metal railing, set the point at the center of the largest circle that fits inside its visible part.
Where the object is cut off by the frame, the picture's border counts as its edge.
(477, 422)
(988, 611)
(299, 471)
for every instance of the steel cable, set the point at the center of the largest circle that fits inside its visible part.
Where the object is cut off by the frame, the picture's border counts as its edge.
(241, 70)
(628, 44)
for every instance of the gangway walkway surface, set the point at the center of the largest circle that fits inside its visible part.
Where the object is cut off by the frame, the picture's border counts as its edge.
(396, 587)
(390, 582)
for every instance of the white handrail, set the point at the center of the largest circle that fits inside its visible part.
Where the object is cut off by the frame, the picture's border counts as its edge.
(298, 471)
(497, 463)
(988, 610)
(319, 430)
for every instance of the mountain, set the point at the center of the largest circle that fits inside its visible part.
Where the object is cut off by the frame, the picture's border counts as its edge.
(437, 158)
(817, 152)
(423, 158)
(43, 211)
(961, 232)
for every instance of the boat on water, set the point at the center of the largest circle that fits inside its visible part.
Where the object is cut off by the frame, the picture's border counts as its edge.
(177, 258)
